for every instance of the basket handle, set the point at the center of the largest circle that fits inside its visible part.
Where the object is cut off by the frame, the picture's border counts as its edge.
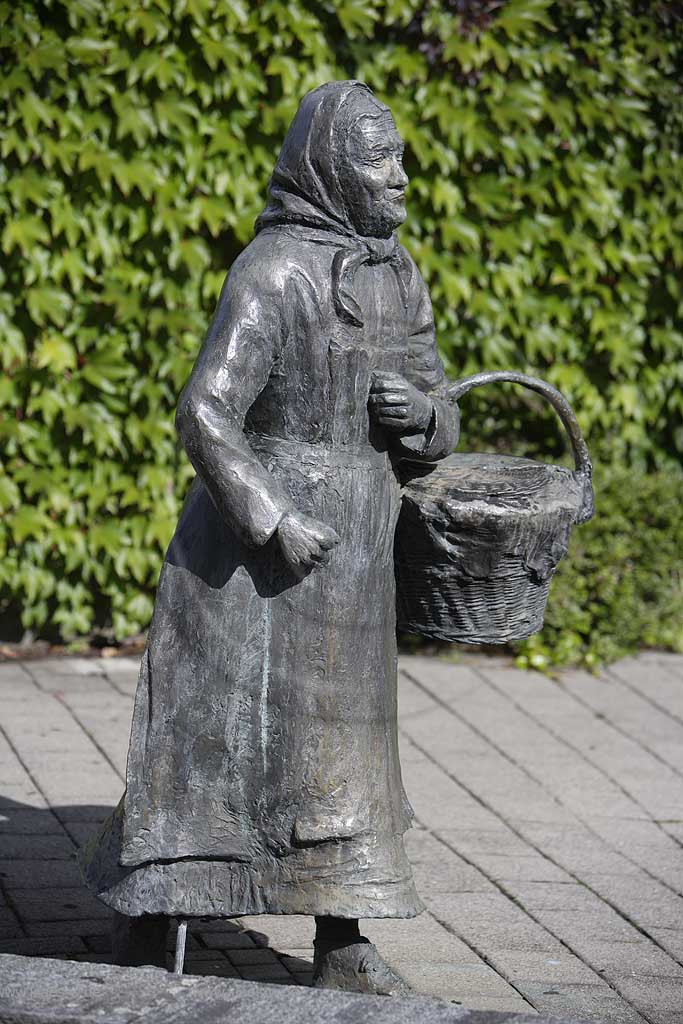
(582, 461)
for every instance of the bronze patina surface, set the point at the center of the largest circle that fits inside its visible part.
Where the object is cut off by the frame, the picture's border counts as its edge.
(263, 773)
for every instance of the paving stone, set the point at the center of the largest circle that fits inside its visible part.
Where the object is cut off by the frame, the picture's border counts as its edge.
(646, 844)
(290, 931)
(482, 769)
(92, 958)
(579, 927)
(644, 674)
(81, 832)
(78, 926)
(496, 838)
(39, 874)
(398, 940)
(639, 959)
(62, 905)
(219, 924)
(438, 869)
(529, 867)
(211, 968)
(13, 672)
(227, 940)
(490, 920)
(70, 666)
(257, 955)
(625, 708)
(47, 946)
(303, 977)
(537, 966)
(578, 850)
(463, 982)
(38, 847)
(98, 943)
(25, 795)
(559, 769)
(651, 783)
(84, 813)
(68, 685)
(671, 939)
(440, 802)
(650, 995)
(21, 821)
(10, 927)
(650, 904)
(125, 683)
(120, 664)
(298, 964)
(203, 954)
(545, 896)
(586, 1001)
(263, 972)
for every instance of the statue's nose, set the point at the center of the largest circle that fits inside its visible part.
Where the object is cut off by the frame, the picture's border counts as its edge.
(399, 178)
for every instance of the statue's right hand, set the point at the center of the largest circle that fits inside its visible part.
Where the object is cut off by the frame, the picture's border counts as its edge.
(305, 542)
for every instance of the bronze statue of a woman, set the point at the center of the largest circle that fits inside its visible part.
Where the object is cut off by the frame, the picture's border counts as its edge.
(263, 773)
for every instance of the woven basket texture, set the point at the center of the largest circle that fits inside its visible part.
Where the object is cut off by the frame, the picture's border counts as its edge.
(490, 611)
(476, 568)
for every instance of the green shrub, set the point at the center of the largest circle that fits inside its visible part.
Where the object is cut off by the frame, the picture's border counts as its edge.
(621, 586)
(136, 139)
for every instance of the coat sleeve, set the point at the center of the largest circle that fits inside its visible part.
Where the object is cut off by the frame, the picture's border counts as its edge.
(425, 370)
(232, 369)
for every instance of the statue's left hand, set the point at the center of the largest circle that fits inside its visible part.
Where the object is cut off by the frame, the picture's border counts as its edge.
(398, 405)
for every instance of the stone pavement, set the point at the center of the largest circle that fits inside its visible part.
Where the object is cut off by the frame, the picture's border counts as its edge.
(548, 845)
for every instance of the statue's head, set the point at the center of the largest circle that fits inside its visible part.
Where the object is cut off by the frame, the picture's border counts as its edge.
(340, 165)
(371, 173)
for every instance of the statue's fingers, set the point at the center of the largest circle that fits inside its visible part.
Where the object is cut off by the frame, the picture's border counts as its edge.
(385, 382)
(391, 423)
(297, 564)
(328, 538)
(298, 555)
(394, 413)
(321, 556)
(389, 398)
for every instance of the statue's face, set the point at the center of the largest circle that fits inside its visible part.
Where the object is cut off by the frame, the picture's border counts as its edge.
(372, 175)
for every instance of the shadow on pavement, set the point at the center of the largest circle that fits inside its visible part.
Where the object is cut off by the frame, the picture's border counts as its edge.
(47, 911)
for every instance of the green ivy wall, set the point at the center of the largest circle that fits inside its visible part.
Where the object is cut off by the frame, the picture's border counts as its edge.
(136, 139)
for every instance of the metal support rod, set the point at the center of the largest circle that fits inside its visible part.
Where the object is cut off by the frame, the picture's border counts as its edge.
(180, 947)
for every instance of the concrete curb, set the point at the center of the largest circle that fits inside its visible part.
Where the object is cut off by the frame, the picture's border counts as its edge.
(35, 990)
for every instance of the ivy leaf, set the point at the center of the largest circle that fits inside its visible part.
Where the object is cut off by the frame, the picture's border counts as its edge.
(356, 17)
(24, 233)
(10, 495)
(521, 17)
(28, 522)
(55, 353)
(48, 305)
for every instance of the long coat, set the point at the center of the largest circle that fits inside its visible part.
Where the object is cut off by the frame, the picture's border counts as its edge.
(263, 773)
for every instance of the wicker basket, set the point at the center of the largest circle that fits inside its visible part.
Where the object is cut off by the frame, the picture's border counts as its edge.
(480, 536)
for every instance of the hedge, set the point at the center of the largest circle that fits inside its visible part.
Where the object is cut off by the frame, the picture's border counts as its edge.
(136, 140)
(621, 587)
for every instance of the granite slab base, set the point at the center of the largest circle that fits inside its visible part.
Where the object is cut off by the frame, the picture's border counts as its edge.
(35, 990)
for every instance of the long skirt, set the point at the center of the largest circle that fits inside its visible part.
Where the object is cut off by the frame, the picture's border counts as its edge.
(263, 773)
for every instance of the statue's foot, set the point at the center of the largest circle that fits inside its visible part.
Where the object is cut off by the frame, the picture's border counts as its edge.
(139, 941)
(355, 967)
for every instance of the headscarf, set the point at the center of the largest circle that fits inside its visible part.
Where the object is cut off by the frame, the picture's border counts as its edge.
(305, 190)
